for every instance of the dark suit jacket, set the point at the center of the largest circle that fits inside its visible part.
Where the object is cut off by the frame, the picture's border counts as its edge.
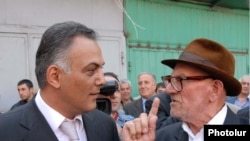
(244, 115)
(19, 103)
(134, 108)
(27, 123)
(164, 107)
(174, 132)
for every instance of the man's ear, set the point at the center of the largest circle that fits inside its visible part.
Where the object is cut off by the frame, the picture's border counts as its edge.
(217, 90)
(53, 74)
(32, 89)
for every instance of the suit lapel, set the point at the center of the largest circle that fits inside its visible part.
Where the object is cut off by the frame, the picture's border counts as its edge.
(90, 126)
(36, 126)
(182, 135)
(139, 106)
(231, 118)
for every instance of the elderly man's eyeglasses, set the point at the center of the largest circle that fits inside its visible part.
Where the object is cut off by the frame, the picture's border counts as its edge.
(176, 81)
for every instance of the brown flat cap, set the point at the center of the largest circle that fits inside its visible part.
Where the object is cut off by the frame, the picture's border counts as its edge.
(212, 58)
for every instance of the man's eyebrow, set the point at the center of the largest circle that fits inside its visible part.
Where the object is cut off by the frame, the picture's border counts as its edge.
(95, 64)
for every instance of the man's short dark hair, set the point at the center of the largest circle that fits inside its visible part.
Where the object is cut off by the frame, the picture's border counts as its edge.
(25, 81)
(55, 45)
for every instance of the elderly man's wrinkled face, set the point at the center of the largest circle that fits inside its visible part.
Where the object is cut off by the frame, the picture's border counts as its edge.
(193, 98)
(146, 85)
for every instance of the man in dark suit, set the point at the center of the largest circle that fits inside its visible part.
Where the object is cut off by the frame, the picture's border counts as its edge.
(69, 73)
(134, 108)
(25, 91)
(146, 87)
(28, 124)
(201, 79)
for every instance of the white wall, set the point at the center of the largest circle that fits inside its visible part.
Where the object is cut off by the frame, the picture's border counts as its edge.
(22, 23)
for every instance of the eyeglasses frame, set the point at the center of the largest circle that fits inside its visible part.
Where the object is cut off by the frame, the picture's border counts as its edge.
(170, 78)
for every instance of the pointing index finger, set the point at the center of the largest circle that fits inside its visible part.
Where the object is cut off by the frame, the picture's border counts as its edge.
(154, 109)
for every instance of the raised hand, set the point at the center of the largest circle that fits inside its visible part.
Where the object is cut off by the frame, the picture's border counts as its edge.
(143, 127)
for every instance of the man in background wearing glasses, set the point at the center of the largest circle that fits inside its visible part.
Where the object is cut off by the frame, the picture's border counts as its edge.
(202, 77)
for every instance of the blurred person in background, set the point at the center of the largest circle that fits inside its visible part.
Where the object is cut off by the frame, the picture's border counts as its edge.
(146, 87)
(126, 91)
(242, 100)
(160, 87)
(116, 112)
(25, 91)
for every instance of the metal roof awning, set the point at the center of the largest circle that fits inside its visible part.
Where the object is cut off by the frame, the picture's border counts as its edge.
(232, 4)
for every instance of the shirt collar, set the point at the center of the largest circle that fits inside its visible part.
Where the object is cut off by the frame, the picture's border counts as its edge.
(53, 117)
(218, 119)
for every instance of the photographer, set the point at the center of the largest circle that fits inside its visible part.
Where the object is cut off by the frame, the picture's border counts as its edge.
(111, 92)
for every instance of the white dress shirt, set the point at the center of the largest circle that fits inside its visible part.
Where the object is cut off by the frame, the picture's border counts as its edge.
(55, 119)
(218, 119)
(143, 104)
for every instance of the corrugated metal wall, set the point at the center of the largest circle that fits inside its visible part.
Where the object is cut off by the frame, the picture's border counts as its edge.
(160, 30)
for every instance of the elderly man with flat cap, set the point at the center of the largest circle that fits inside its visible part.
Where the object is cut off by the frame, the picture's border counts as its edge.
(201, 79)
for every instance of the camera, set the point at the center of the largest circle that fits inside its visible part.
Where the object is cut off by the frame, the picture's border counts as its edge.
(108, 89)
